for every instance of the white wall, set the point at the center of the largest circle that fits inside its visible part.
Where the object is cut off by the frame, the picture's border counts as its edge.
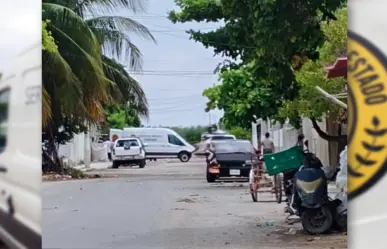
(78, 150)
(286, 137)
(317, 145)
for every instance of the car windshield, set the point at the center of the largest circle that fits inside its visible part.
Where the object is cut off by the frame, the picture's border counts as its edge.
(233, 146)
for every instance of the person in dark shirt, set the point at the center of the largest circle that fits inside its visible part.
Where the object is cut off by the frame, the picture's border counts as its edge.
(300, 141)
(290, 174)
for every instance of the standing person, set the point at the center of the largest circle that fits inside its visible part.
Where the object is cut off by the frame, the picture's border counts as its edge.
(300, 141)
(268, 147)
(108, 145)
(210, 153)
(289, 175)
(267, 144)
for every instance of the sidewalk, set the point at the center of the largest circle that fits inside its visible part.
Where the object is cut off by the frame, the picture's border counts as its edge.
(93, 166)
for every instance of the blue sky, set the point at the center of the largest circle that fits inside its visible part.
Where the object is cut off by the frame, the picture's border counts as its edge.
(175, 99)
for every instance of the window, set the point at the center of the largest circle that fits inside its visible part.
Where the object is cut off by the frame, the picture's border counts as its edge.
(222, 138)
(4, 110)
(127, 143)
(172, 139)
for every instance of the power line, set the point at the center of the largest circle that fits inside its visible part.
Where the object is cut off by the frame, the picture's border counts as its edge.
(176, 108)
(172, 75)
(208, 41)
(175, 98)
(175, 71)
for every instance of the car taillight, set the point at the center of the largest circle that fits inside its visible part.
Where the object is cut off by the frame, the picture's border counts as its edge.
(140, 150)
(114, 151)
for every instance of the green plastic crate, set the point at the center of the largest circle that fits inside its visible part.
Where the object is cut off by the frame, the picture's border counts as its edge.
(285, 160)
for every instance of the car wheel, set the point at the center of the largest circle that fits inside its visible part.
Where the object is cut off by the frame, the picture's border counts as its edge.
(184, 156)
(115, 165)
(142, 164)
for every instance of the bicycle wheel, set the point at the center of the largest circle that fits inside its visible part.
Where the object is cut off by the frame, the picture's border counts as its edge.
(278, 188)
(254, 193)
(254, 184)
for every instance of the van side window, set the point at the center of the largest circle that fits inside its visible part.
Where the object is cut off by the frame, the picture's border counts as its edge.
(172, 139)
(4, 111)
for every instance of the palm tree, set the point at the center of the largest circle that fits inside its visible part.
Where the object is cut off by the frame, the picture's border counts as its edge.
(79, 79)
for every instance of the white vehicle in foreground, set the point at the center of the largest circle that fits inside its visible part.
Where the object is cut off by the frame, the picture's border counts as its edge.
(21, 151)
(129, 151)
(161, 143)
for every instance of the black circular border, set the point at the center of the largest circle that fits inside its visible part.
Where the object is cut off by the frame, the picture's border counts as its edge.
(383, 169)
(354, 113)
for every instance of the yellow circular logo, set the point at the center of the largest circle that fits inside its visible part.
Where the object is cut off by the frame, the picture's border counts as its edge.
(367, 100)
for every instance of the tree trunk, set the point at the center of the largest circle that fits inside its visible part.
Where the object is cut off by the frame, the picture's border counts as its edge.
(325, 136)
(51, 160)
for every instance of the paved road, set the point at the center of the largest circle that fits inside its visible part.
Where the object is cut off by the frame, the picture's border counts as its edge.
(166, 205)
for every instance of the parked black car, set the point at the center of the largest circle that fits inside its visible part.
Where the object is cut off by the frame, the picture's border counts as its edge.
(233, 158)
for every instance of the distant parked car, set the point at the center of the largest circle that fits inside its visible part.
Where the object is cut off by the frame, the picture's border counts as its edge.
(233, 159)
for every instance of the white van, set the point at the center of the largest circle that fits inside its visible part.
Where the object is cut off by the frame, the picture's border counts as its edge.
(162, 143)
(20, 151)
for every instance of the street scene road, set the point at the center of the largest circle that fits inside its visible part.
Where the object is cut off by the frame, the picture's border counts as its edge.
(167, 205)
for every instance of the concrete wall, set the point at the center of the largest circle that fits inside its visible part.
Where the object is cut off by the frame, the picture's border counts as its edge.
(317, 145)
(286, 136)
(283, 137)
(78, 150)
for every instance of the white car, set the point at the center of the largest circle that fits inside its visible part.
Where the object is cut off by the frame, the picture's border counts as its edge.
(129, 151)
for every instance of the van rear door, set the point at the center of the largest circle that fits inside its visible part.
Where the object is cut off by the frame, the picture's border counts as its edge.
(127, 147)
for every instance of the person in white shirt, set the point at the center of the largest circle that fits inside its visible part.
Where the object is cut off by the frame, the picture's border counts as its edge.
(108, 146)
(267, 144)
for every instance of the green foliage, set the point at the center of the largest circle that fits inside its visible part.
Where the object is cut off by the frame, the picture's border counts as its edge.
(240, 133)
(310, 103)
(119, 117)
(191, 134)
(270, 39)
(80, 76)
(48, 42)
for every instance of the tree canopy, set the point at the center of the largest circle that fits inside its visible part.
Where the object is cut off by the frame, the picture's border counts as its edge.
(86, 50)
(309, 102)
(267, 41)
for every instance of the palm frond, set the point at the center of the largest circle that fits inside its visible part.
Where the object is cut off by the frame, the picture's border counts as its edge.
(46, 108)
(86, 8)
(73, 25)
(114, 33)
(63, 88)
(118, 45)
(98, 7)
(130, 90)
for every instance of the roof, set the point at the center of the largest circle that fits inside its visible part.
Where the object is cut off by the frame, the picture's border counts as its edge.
(338, 69)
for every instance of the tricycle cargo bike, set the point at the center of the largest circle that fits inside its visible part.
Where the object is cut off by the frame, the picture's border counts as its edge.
(274, 164)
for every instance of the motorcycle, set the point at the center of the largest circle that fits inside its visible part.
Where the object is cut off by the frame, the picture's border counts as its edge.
(310, 200)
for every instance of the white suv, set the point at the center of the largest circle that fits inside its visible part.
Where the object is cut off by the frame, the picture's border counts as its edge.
(128, 151)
